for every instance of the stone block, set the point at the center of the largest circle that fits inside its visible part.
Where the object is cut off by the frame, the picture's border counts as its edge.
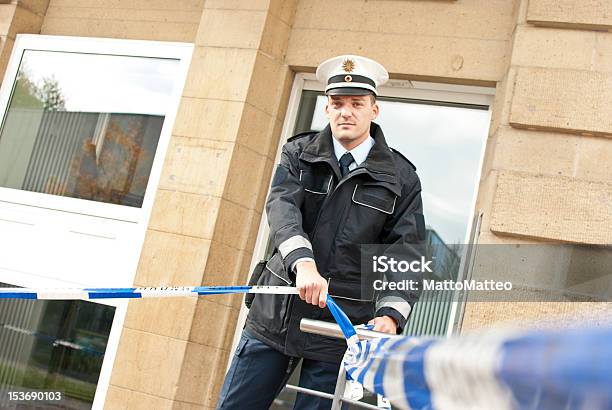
(244, 179)
(577, 14)
(7, 13)
(484, 201)
(5, 53)
(500, 110)
(562, 100)
(119, 398)
(35, 6)
(185, 214)
(603, 49)
(207, 312)
(594, 159)
(280, 113)
(193, 5)
(237, 4)
(275, 37)
(141, 360)
(479, 315)
(257, 130)
(181, 405)
(267, 84)
(105, 13)
(231, 28)
(553, 48)
(535, 152)
(136, 30)
(480, 61)
(234, 224)
(262, 196)
(553, 208)
(540, 272)
(210, 119)
(220, 73)
(196, 166)
(170, 317)
(444, 19)
(203, 367)
(246, 267)
(489, 238)
(284, 9)
(171, 260)
(223, 268)
(25, 21)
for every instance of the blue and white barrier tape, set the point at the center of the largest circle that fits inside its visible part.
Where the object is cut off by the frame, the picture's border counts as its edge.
(348, 330)
(132, 293)
(545, 370)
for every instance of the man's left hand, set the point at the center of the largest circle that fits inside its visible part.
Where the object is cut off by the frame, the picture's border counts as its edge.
(384, 324)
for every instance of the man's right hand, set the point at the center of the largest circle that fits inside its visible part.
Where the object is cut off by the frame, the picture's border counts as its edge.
(311, 285)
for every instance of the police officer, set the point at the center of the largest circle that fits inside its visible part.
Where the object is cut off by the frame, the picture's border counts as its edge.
(332, 191)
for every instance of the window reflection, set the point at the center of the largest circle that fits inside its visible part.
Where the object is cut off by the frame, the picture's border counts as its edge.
(53, 346)
(85, 126)
(443, 141)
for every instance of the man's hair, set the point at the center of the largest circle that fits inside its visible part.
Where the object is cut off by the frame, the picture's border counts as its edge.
(372, 98)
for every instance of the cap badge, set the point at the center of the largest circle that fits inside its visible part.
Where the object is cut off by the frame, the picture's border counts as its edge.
(348, 65)
(348, 78)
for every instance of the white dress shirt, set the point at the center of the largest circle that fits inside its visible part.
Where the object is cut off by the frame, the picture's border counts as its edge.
(359, 153)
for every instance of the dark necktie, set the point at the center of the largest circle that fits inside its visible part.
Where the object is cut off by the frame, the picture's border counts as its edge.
(345, 161)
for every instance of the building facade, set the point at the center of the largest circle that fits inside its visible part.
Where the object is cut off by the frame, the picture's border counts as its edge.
(545, 174)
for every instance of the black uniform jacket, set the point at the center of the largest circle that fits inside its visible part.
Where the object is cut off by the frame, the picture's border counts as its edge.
(313, 212)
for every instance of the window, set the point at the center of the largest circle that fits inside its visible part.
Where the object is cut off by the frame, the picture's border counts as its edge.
(52, 346)
(85, 127)
(444, 142)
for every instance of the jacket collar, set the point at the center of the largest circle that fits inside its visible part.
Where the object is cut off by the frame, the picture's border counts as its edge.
(379, 164)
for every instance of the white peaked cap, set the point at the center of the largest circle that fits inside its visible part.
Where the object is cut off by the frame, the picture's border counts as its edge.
(351, 75)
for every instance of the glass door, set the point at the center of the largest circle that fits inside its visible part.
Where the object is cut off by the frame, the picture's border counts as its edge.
(445, 141)
(440, 128)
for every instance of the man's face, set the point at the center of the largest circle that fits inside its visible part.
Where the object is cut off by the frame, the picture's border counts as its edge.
(350, 117)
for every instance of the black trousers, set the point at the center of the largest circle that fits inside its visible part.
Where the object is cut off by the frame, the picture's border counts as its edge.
(258, 373)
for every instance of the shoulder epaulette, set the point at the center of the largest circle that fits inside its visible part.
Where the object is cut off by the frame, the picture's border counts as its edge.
(301, 135)
(402, 155)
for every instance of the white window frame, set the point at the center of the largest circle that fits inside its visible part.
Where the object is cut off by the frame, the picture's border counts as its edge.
(416, 90)
(140, 216)
(118, 47)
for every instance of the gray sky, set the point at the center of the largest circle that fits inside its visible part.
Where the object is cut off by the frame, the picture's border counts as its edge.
(106, 83)
(445, 144)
